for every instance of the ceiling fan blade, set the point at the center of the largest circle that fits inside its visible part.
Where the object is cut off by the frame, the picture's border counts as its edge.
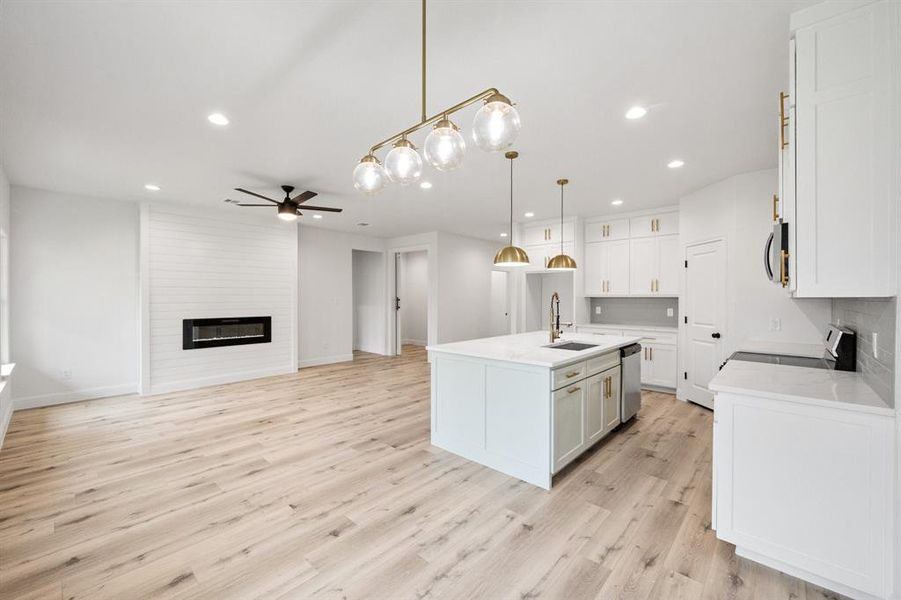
(303, 197)
(322, 208)
(265, 205)
(257, 195)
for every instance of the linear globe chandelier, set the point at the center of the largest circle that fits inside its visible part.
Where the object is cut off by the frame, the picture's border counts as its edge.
(494, 128)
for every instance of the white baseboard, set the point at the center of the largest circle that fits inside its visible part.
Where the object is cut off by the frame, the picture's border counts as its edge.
(324, 360)
(40, 400)
(414, 342)
(232, 377)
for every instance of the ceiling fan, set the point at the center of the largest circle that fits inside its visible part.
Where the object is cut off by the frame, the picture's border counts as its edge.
(289, 208)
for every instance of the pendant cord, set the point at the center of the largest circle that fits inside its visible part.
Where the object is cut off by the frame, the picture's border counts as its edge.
(423, 62)
(561, 218)
(511, 201)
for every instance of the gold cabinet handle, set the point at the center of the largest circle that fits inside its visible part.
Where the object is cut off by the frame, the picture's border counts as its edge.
(783, 120)
(652, 285)
(775, 207)
(571, 374)
(651, 353)
(783, 268)
(652, 224)
(573, 389)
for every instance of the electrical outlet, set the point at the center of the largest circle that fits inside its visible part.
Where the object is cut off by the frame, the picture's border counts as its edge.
(67, 373)
(597, 310)
(875, 345)
(775, 324)
(669, 311)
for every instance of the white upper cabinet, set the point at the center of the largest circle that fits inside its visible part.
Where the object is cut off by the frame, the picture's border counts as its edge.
(534, 234)
(544, 233)
(609, 230)
(654, 266)
(554, 232)
(846, 155)
(653, 225)
(606, 268)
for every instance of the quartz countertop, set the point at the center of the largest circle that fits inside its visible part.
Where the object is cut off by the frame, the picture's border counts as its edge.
(531, 348)
(823, 387)
(657, 328)
(814, 350)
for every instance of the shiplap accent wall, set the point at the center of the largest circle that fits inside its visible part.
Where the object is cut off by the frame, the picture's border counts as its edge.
(212, 264)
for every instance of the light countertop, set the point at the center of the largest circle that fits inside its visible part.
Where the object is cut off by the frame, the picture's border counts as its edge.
(814, 350)
(823, 387)
(530, 348)
(656, 328)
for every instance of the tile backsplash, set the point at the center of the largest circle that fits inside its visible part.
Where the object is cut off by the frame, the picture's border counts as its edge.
(635, 311)
(867, 316)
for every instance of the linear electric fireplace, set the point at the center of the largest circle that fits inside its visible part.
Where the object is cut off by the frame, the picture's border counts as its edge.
(233, 331)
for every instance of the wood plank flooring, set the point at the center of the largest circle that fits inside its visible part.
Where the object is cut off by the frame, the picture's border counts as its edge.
(322, 484)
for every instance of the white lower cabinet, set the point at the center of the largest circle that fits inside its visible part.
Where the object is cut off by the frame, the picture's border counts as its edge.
(658, 364)
(806, 489)
(584, 411)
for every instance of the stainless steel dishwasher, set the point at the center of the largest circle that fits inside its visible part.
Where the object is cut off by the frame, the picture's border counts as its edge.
(630, 395)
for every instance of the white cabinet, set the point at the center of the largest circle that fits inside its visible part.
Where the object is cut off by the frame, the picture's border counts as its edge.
(847, 151)
(606, 268)
(602, 407)
(806, 489)
(654, 266)
(569, 423)
(541, 254)
(607, 230)
(543, 233)
(658, 365)
(611, 400)
(653, 225)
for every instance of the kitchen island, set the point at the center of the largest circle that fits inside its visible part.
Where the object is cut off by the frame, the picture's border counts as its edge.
(524, 406)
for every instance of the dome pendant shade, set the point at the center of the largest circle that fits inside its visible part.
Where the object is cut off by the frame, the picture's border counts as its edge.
(511, 256)
(561, 262)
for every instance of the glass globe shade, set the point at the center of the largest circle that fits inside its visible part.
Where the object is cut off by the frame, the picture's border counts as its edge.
(403, 163)
(444, 147)
(496, 124)
(369, 175)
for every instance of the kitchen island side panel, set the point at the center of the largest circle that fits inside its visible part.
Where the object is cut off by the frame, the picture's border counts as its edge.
(494, 413)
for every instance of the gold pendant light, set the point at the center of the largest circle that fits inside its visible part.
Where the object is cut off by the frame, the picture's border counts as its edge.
(511, 256)
(561, 262)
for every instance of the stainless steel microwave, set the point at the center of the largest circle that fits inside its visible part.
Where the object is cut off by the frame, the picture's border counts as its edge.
(775, 254)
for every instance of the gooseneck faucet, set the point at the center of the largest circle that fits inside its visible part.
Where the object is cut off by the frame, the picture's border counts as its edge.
(555, 332)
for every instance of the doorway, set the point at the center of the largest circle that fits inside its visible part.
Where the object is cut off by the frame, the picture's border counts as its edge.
(411, 298)
(704, 316)
(368, 281)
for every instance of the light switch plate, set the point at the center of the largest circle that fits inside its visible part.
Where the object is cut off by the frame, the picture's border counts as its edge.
(775, 324)
(597, 310)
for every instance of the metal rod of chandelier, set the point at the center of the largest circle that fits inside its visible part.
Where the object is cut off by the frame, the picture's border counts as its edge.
(494, 128)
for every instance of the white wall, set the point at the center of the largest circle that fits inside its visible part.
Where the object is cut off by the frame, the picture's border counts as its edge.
(6, 404)
(464, 286)
(414, 297)
(368, 301)
(739, 210)
(74, 305)
(215, 263)
(325, 293)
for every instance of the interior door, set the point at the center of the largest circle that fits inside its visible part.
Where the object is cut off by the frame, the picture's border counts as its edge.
(499, 311)
(705, 317)
(398, 270)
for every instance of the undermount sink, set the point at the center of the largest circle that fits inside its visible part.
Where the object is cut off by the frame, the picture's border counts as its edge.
(572, 346)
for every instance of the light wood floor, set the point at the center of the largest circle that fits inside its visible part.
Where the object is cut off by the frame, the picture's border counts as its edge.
(323, 484)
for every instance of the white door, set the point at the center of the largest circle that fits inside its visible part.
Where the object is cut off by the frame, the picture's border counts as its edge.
(499, 311)
(668, 264)
(618, 267)
(705, 317)
(643, 259)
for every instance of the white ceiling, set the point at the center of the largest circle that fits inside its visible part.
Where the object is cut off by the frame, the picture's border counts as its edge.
(99, 98)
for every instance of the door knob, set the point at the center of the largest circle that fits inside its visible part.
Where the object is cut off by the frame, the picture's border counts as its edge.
(715, 335)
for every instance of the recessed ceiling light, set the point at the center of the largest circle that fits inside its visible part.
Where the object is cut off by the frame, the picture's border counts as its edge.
(152, 187)
(636, 112)
(317, 216)
(218, 119)
(503, 234)
(426, 185)
(675, 164)
(616, 202)
(529, 215)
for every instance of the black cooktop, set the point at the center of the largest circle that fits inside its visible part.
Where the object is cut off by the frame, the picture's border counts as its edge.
(782, 359)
